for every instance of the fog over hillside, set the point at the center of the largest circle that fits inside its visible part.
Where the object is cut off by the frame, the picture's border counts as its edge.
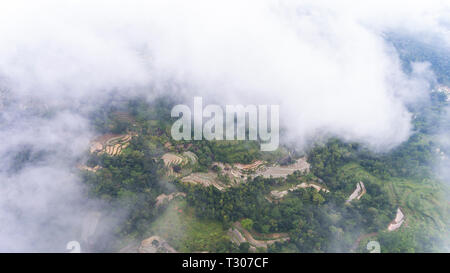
(326, 63)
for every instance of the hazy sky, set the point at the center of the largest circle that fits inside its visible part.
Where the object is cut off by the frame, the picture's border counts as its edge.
(325, 63)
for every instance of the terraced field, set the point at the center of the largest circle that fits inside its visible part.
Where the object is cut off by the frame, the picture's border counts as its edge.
(278, 194)
(110, 144)
(421, 200)
(249, 168)
(282, 171)
(179, 227)
(398, 221)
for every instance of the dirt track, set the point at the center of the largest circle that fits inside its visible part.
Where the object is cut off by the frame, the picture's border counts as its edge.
(111, 144)
(164, 197)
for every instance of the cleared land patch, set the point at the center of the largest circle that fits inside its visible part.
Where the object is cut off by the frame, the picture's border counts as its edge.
(282, 171)
(234, 174)
(155, 244)
(358, 192)
(171, 160)
(182, 230)
(163, 198)
(204, 179)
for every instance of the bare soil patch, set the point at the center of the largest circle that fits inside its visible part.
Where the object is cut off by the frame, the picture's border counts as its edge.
(358, 192)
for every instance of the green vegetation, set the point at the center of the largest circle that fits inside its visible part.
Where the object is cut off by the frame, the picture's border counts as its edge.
(247, 224)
